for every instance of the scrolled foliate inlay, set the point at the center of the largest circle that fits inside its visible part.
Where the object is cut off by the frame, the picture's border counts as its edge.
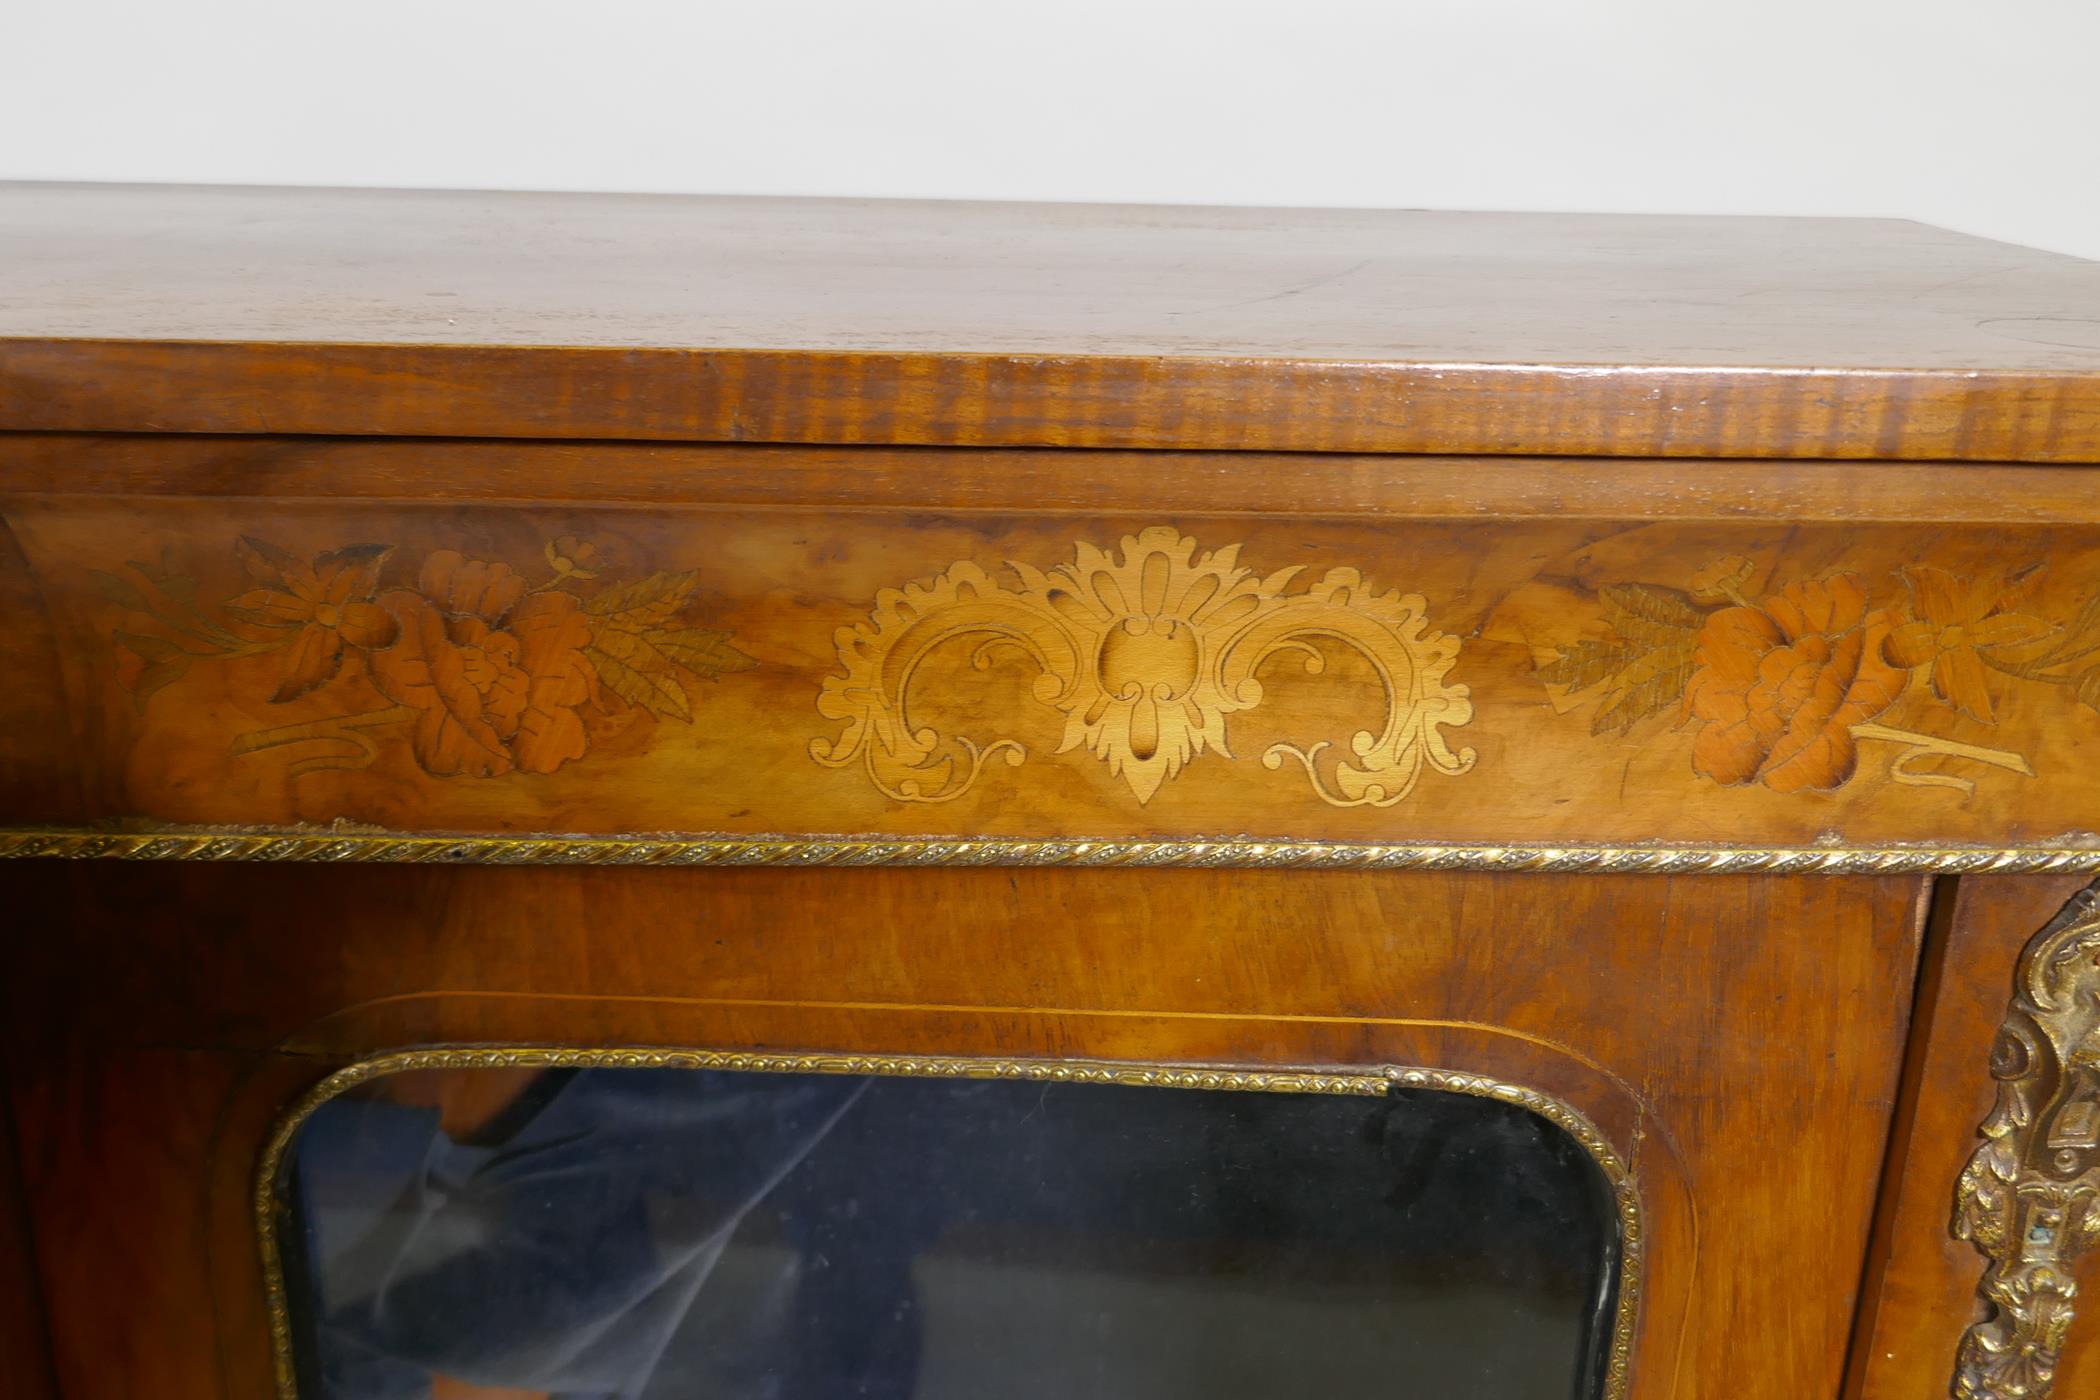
(2029, 1199)
(1147, 653)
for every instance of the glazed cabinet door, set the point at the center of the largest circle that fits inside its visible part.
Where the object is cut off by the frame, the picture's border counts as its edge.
(1612, 1136)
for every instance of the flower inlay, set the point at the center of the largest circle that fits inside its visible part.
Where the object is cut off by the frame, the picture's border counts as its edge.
(1784, 683)
(486, 672)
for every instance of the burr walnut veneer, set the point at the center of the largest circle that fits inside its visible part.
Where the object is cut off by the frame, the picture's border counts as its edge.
(1643, 672)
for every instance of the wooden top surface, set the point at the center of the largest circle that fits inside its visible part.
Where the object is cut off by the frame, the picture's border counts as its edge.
(929, 277)
(283, 310)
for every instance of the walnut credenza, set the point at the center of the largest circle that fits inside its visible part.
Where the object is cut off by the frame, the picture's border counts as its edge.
(1642, 673)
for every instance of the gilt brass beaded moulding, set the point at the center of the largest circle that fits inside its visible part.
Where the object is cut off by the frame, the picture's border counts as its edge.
(1370, 1082)
(362, 844)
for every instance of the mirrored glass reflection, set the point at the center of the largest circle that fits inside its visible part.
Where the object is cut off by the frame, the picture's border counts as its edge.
(642, 1234)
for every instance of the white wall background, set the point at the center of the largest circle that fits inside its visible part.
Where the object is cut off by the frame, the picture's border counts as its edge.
(1983, 115)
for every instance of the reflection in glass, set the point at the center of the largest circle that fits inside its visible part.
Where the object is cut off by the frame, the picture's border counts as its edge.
(639, 1234)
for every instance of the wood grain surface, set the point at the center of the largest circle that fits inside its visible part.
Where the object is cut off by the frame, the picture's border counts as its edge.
(26, 1371)
(1923, 1288)
(633, 639)
(1683, 1017)
(868, 322)
(433, 512)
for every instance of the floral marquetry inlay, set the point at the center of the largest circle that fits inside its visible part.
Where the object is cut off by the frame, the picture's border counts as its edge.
(1781, 686)
(484, 670)
(1146, 652)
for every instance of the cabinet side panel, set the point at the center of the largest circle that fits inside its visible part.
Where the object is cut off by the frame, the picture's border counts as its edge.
(25, 1347)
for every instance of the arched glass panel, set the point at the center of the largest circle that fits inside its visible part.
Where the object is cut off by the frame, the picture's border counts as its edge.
(608, 1233)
